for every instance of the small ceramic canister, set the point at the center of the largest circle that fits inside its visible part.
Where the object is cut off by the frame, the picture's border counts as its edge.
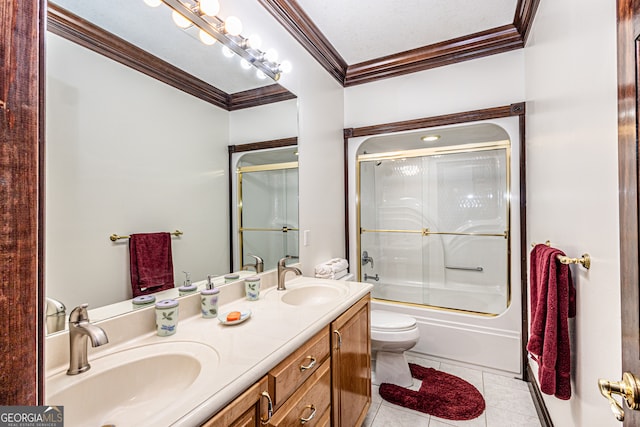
(232, 277)
(143, 301)
(166, 317)
(209, 298)
(252, 288)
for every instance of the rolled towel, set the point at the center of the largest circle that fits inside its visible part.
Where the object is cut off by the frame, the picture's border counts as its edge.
(333, 275)
(328, 268)
(323, 269)
(339, 265)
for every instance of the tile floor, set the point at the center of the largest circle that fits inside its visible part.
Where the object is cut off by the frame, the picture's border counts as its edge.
(508, 402)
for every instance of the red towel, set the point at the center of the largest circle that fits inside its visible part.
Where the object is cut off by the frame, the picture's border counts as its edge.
(151, 263)
(553, 301)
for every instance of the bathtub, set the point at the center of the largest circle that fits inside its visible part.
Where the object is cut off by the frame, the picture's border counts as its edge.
(490, 343)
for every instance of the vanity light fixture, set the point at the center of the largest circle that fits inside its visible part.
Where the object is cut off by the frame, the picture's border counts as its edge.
(430, 138)
(202, 14)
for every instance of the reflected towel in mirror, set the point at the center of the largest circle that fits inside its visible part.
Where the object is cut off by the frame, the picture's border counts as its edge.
(151, 263)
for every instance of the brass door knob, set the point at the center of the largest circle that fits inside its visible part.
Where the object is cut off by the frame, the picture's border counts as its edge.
(628, 388)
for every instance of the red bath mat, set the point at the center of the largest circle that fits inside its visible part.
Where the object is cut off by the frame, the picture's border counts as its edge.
(442, 395)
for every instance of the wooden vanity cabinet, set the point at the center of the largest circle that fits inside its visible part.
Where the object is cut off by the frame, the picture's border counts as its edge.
(351, 365)
(329, 376)
(246, 410)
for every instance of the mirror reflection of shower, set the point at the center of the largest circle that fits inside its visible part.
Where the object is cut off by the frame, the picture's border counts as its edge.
(267, 207)
(435, 217)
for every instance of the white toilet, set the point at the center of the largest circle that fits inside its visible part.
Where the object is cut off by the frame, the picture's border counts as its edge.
(391, 335)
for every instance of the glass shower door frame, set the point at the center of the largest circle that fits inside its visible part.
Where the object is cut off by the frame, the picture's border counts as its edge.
(475, 147)
(241, 228)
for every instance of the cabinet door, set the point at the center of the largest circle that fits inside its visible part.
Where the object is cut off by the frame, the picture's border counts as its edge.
(351, 365)
(246, 410)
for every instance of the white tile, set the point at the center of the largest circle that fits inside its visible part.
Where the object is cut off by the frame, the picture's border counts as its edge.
(476, 422)
(371, 414)
(394, 416)
(501, 418)
(416, 385)
(509, 399)
(505, 381)
(375, 394)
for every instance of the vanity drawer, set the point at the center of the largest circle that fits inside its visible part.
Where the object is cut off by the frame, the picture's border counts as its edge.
(311, 401)
(285, 378)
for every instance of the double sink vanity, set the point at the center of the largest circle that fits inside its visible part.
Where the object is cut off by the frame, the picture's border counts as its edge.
(303, 357)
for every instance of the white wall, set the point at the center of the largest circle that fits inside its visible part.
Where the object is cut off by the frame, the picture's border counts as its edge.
(570, 68)
(486, 82)
(118, 161)
(264, 123)
(320, 118)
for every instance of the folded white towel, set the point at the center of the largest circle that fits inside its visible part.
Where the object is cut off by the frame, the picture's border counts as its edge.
(333, 276)
(332, 266)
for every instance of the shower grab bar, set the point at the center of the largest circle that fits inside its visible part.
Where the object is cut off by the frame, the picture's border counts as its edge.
(584, 260)
(427, 232)
(464, 268)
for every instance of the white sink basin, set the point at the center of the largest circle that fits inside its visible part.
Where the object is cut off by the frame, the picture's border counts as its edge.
(313, 294)
(146, 385)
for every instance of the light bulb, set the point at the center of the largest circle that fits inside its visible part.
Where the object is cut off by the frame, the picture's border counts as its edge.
(153, 3)
(233, 26)
(260, 75)
(271, 55)
(206, 38)
(245, 64)
(180, 20)
(254, 41)
(430, 138)
(227, 52)
(209, 7)
(286, 66)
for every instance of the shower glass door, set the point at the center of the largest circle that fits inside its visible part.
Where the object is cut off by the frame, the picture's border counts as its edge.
(434, 224)
(268, 212)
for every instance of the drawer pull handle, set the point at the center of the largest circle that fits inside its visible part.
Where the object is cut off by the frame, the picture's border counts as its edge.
(310, 417)
(269, 408)
(339, 344)
(310, 365)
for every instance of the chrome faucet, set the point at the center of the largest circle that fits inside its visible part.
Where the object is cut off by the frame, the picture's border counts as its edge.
(258, 266)
(282, 271)
(79, 330)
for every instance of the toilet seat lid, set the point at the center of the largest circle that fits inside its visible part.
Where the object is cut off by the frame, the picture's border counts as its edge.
(389, 321)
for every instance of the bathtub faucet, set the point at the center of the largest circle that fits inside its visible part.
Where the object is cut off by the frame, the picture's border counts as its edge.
(366, 259)
(367, 277)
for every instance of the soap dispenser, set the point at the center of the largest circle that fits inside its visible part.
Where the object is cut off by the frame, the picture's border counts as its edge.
(209, 298)
(188, 287)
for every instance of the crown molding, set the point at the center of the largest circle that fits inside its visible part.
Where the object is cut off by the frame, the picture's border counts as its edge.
(260, 96)
(497, 40)
(489, 42)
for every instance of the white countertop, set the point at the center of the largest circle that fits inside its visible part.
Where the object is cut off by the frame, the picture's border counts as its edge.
(246, 351)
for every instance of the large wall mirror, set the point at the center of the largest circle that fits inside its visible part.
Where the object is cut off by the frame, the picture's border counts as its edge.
(130, 153)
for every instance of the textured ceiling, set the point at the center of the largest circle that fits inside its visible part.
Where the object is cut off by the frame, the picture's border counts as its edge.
(361, 30)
